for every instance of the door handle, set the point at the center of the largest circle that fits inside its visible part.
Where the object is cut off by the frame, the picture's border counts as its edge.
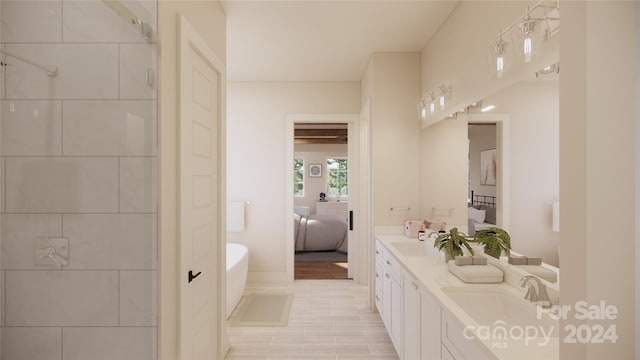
(192, 276)
(351, 220)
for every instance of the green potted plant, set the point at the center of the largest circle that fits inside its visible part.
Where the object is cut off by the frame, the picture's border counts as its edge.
(453, 243)
(495, 241)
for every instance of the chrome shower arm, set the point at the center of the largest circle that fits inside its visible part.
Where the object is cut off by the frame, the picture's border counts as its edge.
(51, 70)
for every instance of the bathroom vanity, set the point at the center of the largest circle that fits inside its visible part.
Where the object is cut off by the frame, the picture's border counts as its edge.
(431, 314)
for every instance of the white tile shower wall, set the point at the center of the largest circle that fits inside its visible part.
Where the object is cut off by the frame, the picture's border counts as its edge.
(85, 71)
(31, 127)
(109, 128)
(111, 241)
(91, 21)
(31, 21)
(82, 166)
(2, 299)
(125, 343)
(62, 184)
(33, 343)
(137, 184)
(62, 298)
(135, 80)
(137, 298)
(18, 234)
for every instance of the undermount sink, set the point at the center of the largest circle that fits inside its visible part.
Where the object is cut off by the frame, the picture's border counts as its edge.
(488, 305)
(422, 248)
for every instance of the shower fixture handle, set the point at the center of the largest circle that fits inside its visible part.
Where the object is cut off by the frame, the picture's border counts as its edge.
(52, 253)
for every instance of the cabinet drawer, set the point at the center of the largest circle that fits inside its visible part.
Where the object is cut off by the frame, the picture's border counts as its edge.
(392, 265)
(458, 345)
(379, 250)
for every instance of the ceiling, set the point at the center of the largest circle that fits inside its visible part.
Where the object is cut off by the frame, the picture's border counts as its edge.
(323, 40)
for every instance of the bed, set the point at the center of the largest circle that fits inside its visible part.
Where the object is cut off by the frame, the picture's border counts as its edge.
(320, 233)
(481, 212)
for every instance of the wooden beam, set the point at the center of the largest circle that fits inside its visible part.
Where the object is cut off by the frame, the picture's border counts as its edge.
(319, 141)
(320, 132)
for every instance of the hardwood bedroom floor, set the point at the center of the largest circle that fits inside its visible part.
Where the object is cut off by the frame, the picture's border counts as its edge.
(329, 319)
(320, 270)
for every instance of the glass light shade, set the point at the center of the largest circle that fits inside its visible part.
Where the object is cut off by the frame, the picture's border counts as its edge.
(528, 29)
(527, 48)
(441, 101)
(432, 107)
(423, 112)
(498, 56)
(500, 66)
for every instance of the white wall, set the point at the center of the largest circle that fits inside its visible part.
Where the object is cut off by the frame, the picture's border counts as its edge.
(534, 166)
(481, 137)
(257, 169)
(316, 154)
(598, 168)
(392, 83)
(210, 21)
(443, 163)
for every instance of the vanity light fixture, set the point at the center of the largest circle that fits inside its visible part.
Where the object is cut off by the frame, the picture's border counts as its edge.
(488, 108)
(435, 99)
(548, 70)
(544, 15)
(498, 49)
(527, 26)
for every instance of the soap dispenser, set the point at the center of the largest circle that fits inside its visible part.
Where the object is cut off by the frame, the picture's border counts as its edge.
(421, 233)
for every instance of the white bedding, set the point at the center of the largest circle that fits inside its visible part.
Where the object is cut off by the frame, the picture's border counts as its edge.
(320, 233)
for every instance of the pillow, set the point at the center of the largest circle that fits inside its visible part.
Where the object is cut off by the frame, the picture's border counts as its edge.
(490, 214)
(477, 216)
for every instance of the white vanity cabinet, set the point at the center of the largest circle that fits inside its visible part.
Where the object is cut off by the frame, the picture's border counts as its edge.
(419, 327)
(389, 270)
(454, 341)
(412, 293)
(421, 335)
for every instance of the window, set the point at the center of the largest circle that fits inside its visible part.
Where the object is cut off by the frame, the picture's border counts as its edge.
(298, 177)
(337, 184)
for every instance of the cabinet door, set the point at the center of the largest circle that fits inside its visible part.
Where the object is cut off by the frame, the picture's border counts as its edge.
(378, 287)
(430, 325)
(446, 355)
(396, 315)
(411, 318)
(454, 340)
(386, 300)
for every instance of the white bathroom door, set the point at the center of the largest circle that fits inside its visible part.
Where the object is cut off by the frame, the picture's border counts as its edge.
(201, 112)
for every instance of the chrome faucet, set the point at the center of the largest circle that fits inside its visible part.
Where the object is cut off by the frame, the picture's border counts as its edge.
(533, 296)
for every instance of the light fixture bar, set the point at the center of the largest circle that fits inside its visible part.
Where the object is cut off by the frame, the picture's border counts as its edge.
(518, 21)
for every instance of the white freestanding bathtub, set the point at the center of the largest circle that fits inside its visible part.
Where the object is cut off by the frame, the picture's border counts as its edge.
(237, 267)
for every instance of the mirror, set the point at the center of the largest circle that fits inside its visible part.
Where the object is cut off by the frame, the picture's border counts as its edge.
(530, 142)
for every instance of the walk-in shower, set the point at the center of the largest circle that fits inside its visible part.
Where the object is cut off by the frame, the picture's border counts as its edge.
(78, 179)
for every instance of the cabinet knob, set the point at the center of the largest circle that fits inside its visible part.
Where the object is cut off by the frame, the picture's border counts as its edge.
(415, 287)
(386, 275)
(388, 262)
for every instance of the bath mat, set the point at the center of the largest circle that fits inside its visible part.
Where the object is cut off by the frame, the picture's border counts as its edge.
(263, 309)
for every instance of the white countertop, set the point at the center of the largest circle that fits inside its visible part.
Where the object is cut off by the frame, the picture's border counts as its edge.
(433, 274)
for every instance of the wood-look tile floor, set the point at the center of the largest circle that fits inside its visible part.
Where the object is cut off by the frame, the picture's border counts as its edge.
(320, 270)
(329, 319)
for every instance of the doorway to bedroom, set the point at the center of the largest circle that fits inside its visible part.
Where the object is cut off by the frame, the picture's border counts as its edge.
(321, 200)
